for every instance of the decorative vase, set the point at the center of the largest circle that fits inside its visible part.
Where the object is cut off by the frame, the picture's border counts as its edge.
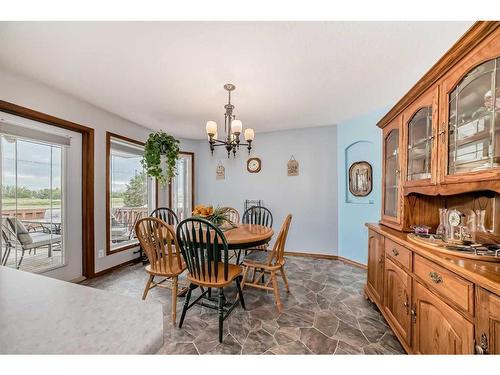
(442, 227)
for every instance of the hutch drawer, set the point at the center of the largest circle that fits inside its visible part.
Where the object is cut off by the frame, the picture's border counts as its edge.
(455, 289)
(399, 253)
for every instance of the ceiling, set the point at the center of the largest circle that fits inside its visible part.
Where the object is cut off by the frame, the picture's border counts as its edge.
(170, 75)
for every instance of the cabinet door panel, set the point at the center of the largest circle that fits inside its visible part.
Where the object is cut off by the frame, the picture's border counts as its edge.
(420, 123)
(397, 297)
(391, 183)
(438, 328)
(488, 322)
(470, 116)
(375, 278)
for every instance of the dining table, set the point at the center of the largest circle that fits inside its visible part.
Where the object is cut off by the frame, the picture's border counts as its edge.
(246, 236)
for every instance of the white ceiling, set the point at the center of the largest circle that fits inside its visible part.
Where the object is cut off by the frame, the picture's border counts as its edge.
(170, 75)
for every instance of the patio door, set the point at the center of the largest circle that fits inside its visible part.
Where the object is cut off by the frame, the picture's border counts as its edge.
(40, 198)
(182, 186)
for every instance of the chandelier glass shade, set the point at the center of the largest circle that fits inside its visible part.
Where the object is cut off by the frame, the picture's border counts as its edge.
(232, 129)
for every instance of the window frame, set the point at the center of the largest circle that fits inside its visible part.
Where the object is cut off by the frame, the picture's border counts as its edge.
(109, 136)
(170, 190)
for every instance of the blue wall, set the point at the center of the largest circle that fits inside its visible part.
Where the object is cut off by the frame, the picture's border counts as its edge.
(358, 139)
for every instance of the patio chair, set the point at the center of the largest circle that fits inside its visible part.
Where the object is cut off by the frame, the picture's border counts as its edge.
(15, 235)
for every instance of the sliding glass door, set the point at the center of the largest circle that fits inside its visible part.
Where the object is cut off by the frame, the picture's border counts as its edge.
(32, 204)
(181, 188)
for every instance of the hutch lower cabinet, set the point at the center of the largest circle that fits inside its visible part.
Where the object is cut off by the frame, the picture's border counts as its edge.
(433, 304)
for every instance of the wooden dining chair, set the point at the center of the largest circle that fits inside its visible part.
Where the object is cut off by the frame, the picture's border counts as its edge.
(233, 214)
(166, 214)
(271, 263)
(258, 215)
(205, 251)
(158, 241)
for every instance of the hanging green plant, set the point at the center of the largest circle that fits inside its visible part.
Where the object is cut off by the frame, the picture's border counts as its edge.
(158, 144)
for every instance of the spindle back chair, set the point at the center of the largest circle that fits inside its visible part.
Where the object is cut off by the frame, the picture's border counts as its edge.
(166, 214)
(159, 243)
(268, 262)
(204, 249)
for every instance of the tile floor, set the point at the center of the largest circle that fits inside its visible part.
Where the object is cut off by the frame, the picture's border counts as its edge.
(325, 313)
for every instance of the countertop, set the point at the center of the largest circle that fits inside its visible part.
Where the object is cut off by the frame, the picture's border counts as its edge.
(482, 273)
(41, 315)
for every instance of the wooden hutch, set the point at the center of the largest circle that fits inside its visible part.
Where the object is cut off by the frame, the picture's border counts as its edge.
(441, 149)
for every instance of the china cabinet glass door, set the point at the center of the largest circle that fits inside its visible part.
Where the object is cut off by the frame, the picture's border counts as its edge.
(391, 178)
(420, 145)
(474, 120)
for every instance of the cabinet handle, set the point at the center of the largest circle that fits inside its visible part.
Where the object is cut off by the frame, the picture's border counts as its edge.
(406, 305)
(395, 252)
(435, 277)
(381, 259)
(414, 314)
(442, 133)
(482, 347)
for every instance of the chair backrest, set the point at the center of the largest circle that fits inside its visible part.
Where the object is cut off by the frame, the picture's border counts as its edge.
(233, 214)
(258, 215)
(203, 246)
(159, 243)
(20, 231)
(277, 255)
(166, 214)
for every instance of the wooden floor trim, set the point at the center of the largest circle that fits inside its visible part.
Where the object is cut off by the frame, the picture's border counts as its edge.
(326, 256)
(111, 269)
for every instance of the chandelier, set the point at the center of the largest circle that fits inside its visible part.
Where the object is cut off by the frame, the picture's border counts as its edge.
(232, 129)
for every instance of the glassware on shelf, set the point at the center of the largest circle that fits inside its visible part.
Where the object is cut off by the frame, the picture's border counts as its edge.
(480, 218)
(442, 228)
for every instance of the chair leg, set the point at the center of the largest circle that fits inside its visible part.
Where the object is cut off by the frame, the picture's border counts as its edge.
(238, 257)
(276, 291)
(285, 280)
(186, 304)
(244, 277)
(20, 260)
(148, 285)
(240, 291)
(174, 299)
(221, 313)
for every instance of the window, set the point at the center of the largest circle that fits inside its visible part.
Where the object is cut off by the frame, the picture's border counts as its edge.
(130, 193)
(32, 176)
(181, 188)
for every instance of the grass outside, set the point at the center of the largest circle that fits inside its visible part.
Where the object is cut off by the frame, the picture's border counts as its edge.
(29, 203)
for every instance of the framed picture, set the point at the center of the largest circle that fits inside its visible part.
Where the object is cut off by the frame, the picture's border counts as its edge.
(220, 172)
(292, 167)
(360, 179)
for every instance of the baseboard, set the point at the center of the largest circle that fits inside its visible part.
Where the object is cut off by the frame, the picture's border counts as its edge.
(111, 269)
(325, 256)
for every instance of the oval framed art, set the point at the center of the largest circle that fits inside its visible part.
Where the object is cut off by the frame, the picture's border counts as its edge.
(360, 179)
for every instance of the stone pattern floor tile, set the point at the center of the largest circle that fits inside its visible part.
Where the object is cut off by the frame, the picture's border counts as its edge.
(324, 313)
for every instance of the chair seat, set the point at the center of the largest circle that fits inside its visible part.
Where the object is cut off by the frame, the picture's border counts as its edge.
(233, 272)
(40, 239)
(164, 269)
(257, 257)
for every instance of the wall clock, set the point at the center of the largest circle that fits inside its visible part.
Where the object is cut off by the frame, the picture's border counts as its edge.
(254, 165)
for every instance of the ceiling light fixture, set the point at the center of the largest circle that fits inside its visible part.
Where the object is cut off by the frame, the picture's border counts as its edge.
(232, 129)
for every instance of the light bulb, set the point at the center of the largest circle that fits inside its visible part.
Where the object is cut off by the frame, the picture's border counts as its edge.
(236, 126)
(249, 134)
(211, 128)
